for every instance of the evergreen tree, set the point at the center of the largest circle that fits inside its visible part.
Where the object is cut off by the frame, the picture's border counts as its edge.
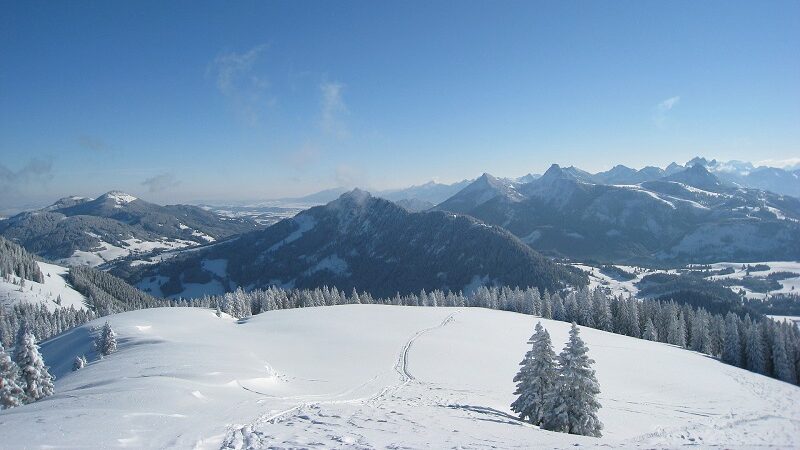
(106, 342)
(572, 405)
(601, 310)
(755, 350)
(79, 363)
(700, 340)
(650, 332)
(559, 313)
(11, 394)
(732, 347)
(35, 377)
(535, 378)
(780, 358)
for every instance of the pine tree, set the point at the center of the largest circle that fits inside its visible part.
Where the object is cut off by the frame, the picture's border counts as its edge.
(79, 363)
(535, 378)
(780, 358)
(11, 394)
(650, 332)
(559, 313)
(601, 310)
(572, 405)
(106, 342)
(35, 377)
(732, 347)
(700, 340)
(755, 359)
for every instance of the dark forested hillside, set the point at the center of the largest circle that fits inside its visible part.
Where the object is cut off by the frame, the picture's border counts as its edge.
(15, 260)
(359, 241)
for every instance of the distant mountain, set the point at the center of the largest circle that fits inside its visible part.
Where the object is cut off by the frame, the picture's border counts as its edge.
(741, 173)
(414, 205)
(115, 225)
(625, 175)
(698, 176)
(430, 192)
(363, 242)
(480, 191)
(688, 216)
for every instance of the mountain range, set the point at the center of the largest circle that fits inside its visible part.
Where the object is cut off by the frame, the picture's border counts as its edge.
(688, 215)
(87, 231)
(362, 242)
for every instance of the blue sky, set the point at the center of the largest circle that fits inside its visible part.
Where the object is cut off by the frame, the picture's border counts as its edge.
(184, 101)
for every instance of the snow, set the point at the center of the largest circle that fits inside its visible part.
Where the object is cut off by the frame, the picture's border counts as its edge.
(106, 252)
(637, 188)
(305, 223)
(698, 190)
(54, 285)
(120, 198)
(372, 376)
(628, 287)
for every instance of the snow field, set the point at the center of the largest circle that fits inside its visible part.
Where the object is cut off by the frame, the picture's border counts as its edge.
(370, 376)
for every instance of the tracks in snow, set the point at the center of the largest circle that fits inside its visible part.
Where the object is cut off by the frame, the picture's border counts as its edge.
(246, 436)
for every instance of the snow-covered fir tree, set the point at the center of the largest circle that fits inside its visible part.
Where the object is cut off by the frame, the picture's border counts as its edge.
(700, 338)
(732, 347)
(535, 378)
(755, 358)
(559, 313)
(650, 332)
(572, 405)
(35, 377)
(11, 394)
(106, 342)
(79, 363)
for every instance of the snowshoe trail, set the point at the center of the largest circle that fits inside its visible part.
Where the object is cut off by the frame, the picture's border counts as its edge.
(251, 436)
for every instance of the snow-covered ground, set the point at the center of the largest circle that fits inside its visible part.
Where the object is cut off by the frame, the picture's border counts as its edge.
(788, 286)
(628, 287)
(106, 252)
(48, 292)
(370, 376)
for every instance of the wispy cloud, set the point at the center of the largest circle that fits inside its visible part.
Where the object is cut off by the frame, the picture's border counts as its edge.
(669, 103)
(333, 108)
(788, 163)
(34, 171)
(349, 176)
(94, 143)
(237, 79)
(161, 182)
(663, 108)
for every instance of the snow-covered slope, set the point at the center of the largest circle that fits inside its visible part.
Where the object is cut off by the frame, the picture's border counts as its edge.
(369, 376)
(54, 286)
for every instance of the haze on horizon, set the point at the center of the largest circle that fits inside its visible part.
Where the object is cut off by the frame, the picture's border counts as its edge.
(202, 101)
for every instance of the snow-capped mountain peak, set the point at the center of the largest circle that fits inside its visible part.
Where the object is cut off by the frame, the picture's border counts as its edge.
(118, 197)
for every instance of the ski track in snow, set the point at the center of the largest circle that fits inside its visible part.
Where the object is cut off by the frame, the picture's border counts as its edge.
(250, 437)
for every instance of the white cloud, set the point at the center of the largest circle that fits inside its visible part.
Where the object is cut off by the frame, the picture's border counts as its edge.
(788, 163)
(662, 110)
(237, 79)
(669, 103)
(333, 108)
